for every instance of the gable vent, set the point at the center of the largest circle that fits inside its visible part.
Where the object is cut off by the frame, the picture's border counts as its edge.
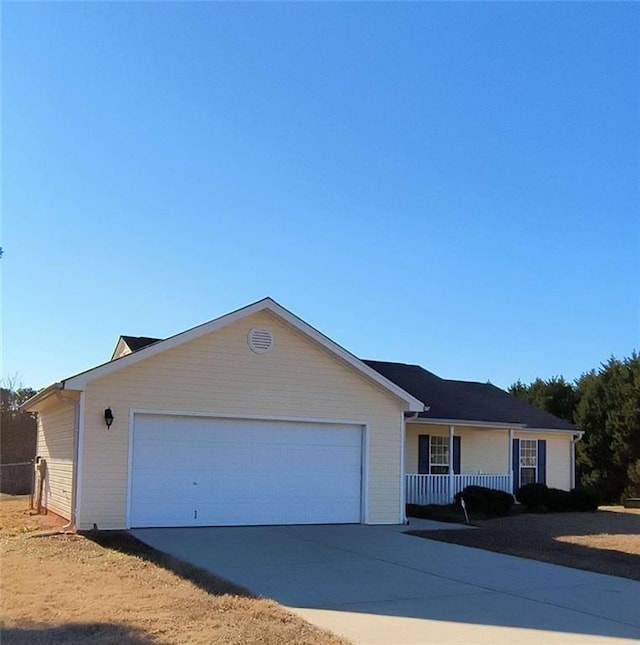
(260, 340)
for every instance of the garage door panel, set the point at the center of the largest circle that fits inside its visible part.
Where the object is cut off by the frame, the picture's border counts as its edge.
(191, 471)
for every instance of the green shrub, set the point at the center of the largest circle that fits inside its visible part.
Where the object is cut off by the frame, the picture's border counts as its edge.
(558, 501)
(487, 501)
(584, 499)
(539, 496)
(532, 495)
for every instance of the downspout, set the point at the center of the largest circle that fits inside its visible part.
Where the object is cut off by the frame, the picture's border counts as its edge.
(574, 441)
(451, 478)
(403, 483)
(512, 483)
(71, 525)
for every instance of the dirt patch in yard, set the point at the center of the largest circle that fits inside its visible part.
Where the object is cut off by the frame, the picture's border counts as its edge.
(606, 541)
(66, 588)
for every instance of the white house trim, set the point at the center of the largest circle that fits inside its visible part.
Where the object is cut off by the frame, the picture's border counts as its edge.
(132, 413)
(364, 477)
(452, 430)
(248, 417)
(80, 381)
(77, 479)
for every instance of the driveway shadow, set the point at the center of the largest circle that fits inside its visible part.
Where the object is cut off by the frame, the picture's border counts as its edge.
(124, 542)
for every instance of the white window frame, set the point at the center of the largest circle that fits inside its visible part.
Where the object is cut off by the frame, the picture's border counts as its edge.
(528, 460)
(442, 442)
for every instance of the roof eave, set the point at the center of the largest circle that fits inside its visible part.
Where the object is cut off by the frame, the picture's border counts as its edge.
(468, 422)
(30, 404)
(522, 427)
(555, 430)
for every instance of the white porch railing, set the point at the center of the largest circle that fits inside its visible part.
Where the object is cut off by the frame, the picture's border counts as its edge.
(440, 489)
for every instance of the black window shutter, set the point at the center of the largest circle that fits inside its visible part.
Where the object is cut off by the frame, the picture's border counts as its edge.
(456, 455)
(542, 462)
(423, 454)
(515, 464)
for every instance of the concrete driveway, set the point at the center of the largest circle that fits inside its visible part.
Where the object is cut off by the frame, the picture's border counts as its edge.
(374, 584)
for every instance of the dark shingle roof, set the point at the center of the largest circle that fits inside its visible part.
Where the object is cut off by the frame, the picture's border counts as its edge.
(465, 400)
(138, 342)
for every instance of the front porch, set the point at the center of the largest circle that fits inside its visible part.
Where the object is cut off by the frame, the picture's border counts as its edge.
(441, 460)
(441, 489)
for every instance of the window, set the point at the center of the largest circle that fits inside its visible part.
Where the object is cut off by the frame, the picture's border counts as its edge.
(528, 461)
(439, 455)
(434, 456)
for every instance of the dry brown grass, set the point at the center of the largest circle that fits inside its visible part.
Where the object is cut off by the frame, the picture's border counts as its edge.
(623, 543)
(607, 541)
(67, 588)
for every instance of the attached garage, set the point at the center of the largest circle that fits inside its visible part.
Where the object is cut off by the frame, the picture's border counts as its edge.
(202, 471)
(252, 418)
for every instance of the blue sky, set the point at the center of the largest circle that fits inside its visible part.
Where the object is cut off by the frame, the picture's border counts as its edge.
(449, 184)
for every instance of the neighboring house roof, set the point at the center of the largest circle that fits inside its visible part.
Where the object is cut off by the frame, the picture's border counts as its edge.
(138, 342)
(80, 381)
(467, 400)
(129, 344)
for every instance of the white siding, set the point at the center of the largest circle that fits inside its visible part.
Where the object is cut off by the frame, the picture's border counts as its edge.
(55, 444)
(219, 374)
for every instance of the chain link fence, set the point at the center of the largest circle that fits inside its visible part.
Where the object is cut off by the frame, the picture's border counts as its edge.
(17, 478)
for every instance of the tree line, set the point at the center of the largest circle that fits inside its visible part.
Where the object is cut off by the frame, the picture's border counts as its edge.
(17, 440)
(605, 404)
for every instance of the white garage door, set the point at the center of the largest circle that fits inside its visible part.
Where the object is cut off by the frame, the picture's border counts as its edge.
(194, 471)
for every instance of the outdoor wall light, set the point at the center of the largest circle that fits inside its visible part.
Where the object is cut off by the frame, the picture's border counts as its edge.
(108, 417)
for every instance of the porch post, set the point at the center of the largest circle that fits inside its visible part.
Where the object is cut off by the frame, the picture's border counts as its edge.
(509, 465)
(451, 430)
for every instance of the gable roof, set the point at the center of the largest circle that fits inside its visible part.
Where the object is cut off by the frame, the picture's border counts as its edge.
(138, 342)
(132, 344)
(155, 346)
(467, 400)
